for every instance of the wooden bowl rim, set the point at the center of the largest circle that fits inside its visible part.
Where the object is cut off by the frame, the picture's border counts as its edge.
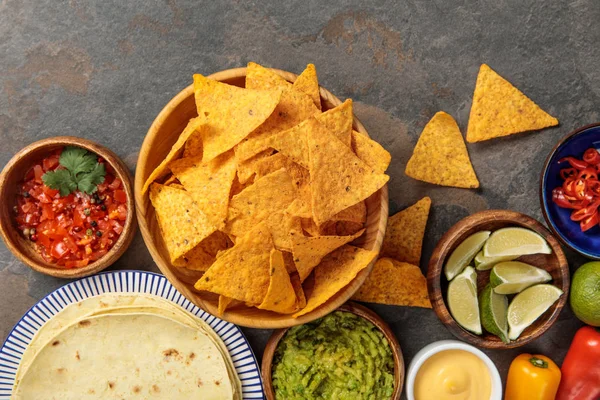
(435, 268)
(547, 218)
(354, 308)
(285, 321)
(130, 225)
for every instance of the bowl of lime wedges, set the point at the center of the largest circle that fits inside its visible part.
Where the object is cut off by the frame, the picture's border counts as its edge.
(498, 279)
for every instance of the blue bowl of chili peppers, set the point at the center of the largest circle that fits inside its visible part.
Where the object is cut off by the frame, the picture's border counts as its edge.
(570, 191)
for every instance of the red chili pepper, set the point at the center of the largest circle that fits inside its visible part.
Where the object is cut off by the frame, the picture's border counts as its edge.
(575, 163)
(588, 173)
(567, 173)
(558, 197)
(589, 222)
(591, 156)
(581, 367)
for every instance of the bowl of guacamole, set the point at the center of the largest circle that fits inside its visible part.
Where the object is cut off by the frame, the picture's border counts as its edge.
(348, 354)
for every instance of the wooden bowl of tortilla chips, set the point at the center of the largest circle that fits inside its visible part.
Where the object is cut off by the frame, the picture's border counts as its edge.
(269, 247)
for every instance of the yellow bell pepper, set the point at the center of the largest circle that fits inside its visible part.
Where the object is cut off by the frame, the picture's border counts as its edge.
(532, 377)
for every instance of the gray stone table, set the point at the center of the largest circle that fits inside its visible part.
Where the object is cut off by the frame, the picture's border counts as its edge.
(104, 69)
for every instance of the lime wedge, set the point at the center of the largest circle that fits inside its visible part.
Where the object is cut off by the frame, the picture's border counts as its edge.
(528, 305)
(493, 309)
(515, 242)
(464, 253)
(462, 300)
(511, 277)
(483, 263)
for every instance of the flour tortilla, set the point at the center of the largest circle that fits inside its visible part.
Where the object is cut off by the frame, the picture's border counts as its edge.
(116, 303)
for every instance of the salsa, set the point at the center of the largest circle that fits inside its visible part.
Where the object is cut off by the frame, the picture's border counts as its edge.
(75, 229)
(340, 356)
(580, 190)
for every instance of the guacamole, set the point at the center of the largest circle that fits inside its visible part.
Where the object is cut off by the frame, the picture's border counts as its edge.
(340, 356)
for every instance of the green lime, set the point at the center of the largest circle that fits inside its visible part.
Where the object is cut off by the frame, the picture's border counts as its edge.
(483, 263)
(493, 308)
(464, 253)
(515, 242)
(462, 300)
(511, 277)
(585, 293)
(528, 306)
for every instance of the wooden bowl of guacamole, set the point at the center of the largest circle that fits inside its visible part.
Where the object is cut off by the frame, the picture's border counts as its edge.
(349, 353)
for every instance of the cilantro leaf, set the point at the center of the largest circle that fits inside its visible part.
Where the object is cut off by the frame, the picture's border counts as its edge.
(77, 160)
(60, 180)
(88, 182)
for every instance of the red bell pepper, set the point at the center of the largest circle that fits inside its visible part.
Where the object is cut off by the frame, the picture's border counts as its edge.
(581, 368)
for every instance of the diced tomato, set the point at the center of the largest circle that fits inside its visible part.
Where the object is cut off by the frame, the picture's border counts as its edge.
(59, 249)
(47, 212)
(50, 163)
(115, 184)
(38, 171)
(50, 192)
(120, 196)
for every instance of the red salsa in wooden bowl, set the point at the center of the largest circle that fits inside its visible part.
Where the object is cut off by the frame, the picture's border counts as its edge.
(72, 206)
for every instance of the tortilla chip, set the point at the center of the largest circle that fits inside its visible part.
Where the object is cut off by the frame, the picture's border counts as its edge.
(201, 257)
(261, 78)
(209, 184)
(440, 156)
(172, 179)
(268, 165)
(223, 304)
(339, 121)
(237, 187)
(232, 113)
(356, 213)
(299, 290)
(242, 272)
(193, 146)
(182, 224)
(309, 251)
(281, 296)
(405, 230)
(336, 271)
(195, 126)
(247, 169)
(371, 152)
(339, 179)
(347, 228)
(308, 83)
(293, 108)
(395, 283)
(500, 109)
(266, 200)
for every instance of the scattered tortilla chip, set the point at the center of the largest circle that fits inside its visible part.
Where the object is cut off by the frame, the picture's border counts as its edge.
(261, 78)
(201, 257)
(195, 125)
(293, 108)
(181, 222)
(172, 179)
(209, 184)
(281, 296)
(500, 109)
(288, 260)
(395, 283)
(231, 113)
(309, 251)
(247, 169)
(299, 290)
(266, 200)
(356, 213)
(223, 304)
(193, 146)
(336, 271)
(237, 187)
(371, 152)
(339, 121)
(405, 230)
(308, 83)
(440, 156)
(242, 272)
(300, 208)
(339, 179)
(347, 228)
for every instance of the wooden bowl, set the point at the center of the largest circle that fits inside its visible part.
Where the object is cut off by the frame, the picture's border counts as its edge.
(354, 308)
(555, 263)
(14, 172)
(161, 136)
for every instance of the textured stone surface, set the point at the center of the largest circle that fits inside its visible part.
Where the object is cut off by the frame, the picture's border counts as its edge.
(103, 70)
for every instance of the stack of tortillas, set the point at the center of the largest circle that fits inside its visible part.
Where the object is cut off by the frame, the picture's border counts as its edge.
(120, 346)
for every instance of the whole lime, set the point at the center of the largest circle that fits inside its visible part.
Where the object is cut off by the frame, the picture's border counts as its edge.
(585, 293)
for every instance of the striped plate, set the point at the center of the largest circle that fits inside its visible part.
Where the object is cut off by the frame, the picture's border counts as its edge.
(123, 282)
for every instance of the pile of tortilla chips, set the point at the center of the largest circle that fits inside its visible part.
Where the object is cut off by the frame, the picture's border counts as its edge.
(499, 109)
(396, 278)
(263, 192)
